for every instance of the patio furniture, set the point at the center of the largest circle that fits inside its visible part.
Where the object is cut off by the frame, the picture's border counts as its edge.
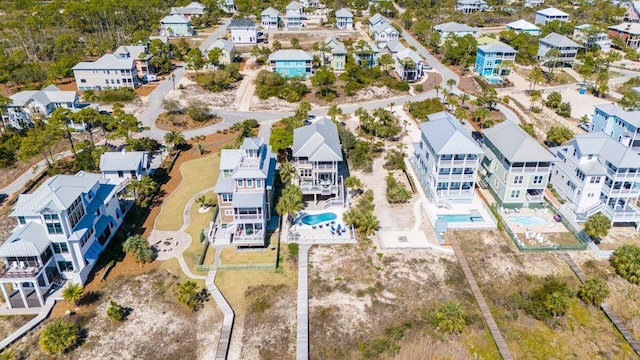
(320, 226)
(339, 227)
(333, 232)
(14, 265)
(557, 218)
(313, 227)
(22, 265)
(516, 210)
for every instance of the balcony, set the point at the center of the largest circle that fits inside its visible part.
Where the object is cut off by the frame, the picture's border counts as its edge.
(535, 195)
(325, 167)
(248, 217)
(18, 272)
(629, 213)
(530, 169)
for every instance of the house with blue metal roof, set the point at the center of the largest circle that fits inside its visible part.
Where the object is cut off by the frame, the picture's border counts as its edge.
(291, 63)
(494, 60)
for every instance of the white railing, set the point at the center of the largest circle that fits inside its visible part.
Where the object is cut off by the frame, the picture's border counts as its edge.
(332, 202)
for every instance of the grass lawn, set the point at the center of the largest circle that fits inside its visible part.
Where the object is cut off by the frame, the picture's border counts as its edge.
(197, 175)
(230, 256)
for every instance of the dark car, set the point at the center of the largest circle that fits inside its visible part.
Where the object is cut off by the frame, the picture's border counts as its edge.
(477, 136)
(550, 143)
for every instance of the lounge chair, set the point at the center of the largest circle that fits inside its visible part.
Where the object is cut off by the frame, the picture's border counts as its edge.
(516, 210)
(313, 227)
(333, 232)
(320, 226)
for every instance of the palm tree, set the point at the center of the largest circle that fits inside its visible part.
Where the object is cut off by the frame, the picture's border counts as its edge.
(334, 111)
(202, 200)
(450, 84)
(353, 183)
(437, 88)
(464, 97)
(58, 336)
(139, 247)
(74, 292)
(290, 201)
(593, 292)
(481, 115)
(460, 113)
(451, 317)
(535, 77)
(367, 223)
(287, 172)
(8, 355)
(174, 139)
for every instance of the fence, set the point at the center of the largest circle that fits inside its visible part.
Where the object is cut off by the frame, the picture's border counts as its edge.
(205, 246)
(582, 245)
(237, 267)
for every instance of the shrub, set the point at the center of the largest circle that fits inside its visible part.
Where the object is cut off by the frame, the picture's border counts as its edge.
(58, 337)
(73, 292)
(221, 79)
(597, 225)
(420, 109)
(419, 88)
(451, 318)
(549, 300)
(198, 111)
(626, 261)
(139, 247)
(188, 294)
(270, 84)
(396, 192)
(395, 160)
(593, 292)
(116, 312)
(122, 94)
(293, 249)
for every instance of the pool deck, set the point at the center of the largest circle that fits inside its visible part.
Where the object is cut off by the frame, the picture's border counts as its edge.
(321, 233)
(476, 206)
(551, 226)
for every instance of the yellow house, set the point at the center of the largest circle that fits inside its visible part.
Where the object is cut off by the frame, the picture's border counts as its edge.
(228, 54)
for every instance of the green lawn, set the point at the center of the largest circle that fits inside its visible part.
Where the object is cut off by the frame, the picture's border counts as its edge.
(197, 175)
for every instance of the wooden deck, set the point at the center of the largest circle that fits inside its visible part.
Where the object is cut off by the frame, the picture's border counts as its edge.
(484, 308)
(222, 349)
(302, 331)
(617, 322)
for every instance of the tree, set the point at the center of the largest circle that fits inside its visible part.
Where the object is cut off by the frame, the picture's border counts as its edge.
(116, 312)
(214, 56)
(451, 318)
(188, 294)
(626, 261)
(281, 139)
(143, 190)
(203, 201)
(295, 42)
(630, 100)
(290, 201)
(551, 59)
(287, 172)
(74, 292)
(276, 45)
(10, 354)
(386, 61)
(554, 99)
(528, 128)
(463, 98)
(489, 98)
(139, 248)
(198, 111)
(353, 183)
(437, 88)
(460, 113)
(481, 115)
(334, 111)
(451, 83)
(323, 79)
(535, 77)
(593, 292)
(559, 134)
(195, 59)
(174, 139)
(58, 336)
(597, 225)
(396, 192)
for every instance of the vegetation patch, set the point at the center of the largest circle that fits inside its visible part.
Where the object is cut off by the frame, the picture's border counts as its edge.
(271, 84)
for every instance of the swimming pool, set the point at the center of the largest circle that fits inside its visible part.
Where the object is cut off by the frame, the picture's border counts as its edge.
(461, 218)
(528, 220)
(318, 218)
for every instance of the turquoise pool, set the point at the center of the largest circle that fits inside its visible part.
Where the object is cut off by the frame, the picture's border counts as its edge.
(318, 218)
(461, 218)
(528, 220)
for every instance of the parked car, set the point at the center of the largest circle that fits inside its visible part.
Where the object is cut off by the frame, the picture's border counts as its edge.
(426, 67)
(584, 126)
(550, 143)
(477, 136)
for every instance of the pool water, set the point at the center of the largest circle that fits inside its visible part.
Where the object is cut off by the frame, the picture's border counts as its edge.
(528, 220)
(318, 218)
(465, 218)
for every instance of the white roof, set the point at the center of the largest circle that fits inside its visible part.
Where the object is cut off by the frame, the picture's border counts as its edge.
(394, 46)
(630, 28)
(222, 44)
(497, 48)
(377, 18)
(632, 117)
(45, 96)
(522, 25)
(551, 12)
(515, 144)
(195, 5)
(294, 5)
(289, 54)
(470, 2)
(122, 160)
(446, 136)
(134, 51)
(106, 62)
(270, 12)
(454, 27)
(606, 149)
(30, 240)
(344, 12)
(408, 53)
(174, 19)
(186, 11)
(318, 141)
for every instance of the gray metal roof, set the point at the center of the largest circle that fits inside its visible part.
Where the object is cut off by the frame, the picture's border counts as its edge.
(336, 46)
(294, 5)
(497, 48)
(106, 62)
(318, 141)
(632, 117)
(384, 27)
(290, 54)
(408, 53)
(344, 13)
(270, 12)
(174, 19)
(522, 25)
(377, 18)
(515, 144)
(224, 185)
(606, 149)
(247, 200)
(230, 158)
(252, 143)
(446, 136)
(241, 23)
(29, 240)
(629, 28)
(454, 27)
(243, 165)
(122, 160)
(559, 41)
(56, 194)
(394, 46)
(133, 51)
(186, 11)
(45, 96)
(223, 44)
(470, 2)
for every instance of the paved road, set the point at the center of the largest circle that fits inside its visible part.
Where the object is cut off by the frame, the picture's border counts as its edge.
(221, 31)
(19, 183)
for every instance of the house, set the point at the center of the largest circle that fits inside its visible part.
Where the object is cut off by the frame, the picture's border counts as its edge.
(228, 51)
(394, 46)
(629, 32)
(269, 18)
(550, 14)
(294, 15)
(189, 11)
(228, 6)
(446, 160)
(375, 20)
(243, 31)
(291, 63)
(317, 157)
(632, 13)
(533, 3)
(365, 53)
(110, 71)
(523, 26)
(454, 29)
(494, 60)
(245, 194)
(122, 166)
(595, 173)
(61, 229)
(337, 59)
(311, 3)
(621, 125)
(344, 19)
(568, 48)
(175, 25)
(23, 106)
(516, 167)
(384, 32)
(469, 6)
(140, 56)
(585, 36)
(408, 65)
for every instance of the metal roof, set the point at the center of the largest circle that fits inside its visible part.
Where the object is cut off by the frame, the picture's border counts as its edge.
(446, 136)
(344, 12)
(29, 240)
(606, 149)
(318, 141)
(454, 27)
(290, 54)
(394, 46)
(294, 5)
(186, 11)
(632, 117)
(223, 44)
(106, 62)
(224, 185)
(522, 25)
(270, 12)
(247, 200)
(497, 48)
(241, 23)
(377, 18)
(515, 144)
(133, 51)
(551, 12)
(122, 160)
(408, 53)
(45, 96)
(559, 41)
(174, 19)
(629, 28)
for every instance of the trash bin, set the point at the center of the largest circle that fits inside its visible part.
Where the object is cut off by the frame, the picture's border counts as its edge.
(582, 91)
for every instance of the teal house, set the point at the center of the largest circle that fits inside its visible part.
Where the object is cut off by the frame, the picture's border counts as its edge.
(291, 63)
(494, 60)
(175, 25)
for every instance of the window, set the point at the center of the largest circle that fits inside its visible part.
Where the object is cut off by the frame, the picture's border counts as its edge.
(228, 212)
(227, 198)
(83, 81)
(59, 248)
(22, 220)
(590, 195)
(537, 179)
(515, 193)
(250, 183)
(240, 183)
(65, 265)
(259, 183)
(595, 180)
(518, 179)
(120, 173)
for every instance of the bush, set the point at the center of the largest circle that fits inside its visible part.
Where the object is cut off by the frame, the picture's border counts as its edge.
(58, 337)
(626, 261)
(451, 318)
(597, 225)
(564, 109)
(550, 300)
(139, 247)
(221, 79)
(593, 292)
(293, 249)
(419, 88)
(190, 295)
(395, 160)
(122, 94)
(270, 84)
(396, 192)
(420, 109)
(198, 111)
(116, 312)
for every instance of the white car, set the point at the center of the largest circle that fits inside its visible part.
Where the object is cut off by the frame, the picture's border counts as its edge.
(584, 126)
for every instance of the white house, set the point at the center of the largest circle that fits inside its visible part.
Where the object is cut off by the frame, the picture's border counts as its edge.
(243, 31)
(523, 26)
(408, 65)
(140, 55)
(550, 14)
(61, 229)
(595, 173)
(269, 18)
(455, 29)
(568, 48)
(621, 125)
(469, 6)
(533, 3)
(344, 19)
(228, 6)
(294, 15)
(375, 20)
(110, 71)
(189, 11)
(446, 160)
(600, 39)
(121, 166)
(632, 13)
(26, 104)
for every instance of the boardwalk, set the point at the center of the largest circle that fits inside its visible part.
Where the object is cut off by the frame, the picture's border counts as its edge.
(227, 323)
(302, 333)
(486, 313)
(622, 328)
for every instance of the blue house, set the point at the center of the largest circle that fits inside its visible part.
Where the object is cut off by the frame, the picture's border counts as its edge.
(622, 125)
(365, 53)
(291, 63)
(490, 60)
(175, 25)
